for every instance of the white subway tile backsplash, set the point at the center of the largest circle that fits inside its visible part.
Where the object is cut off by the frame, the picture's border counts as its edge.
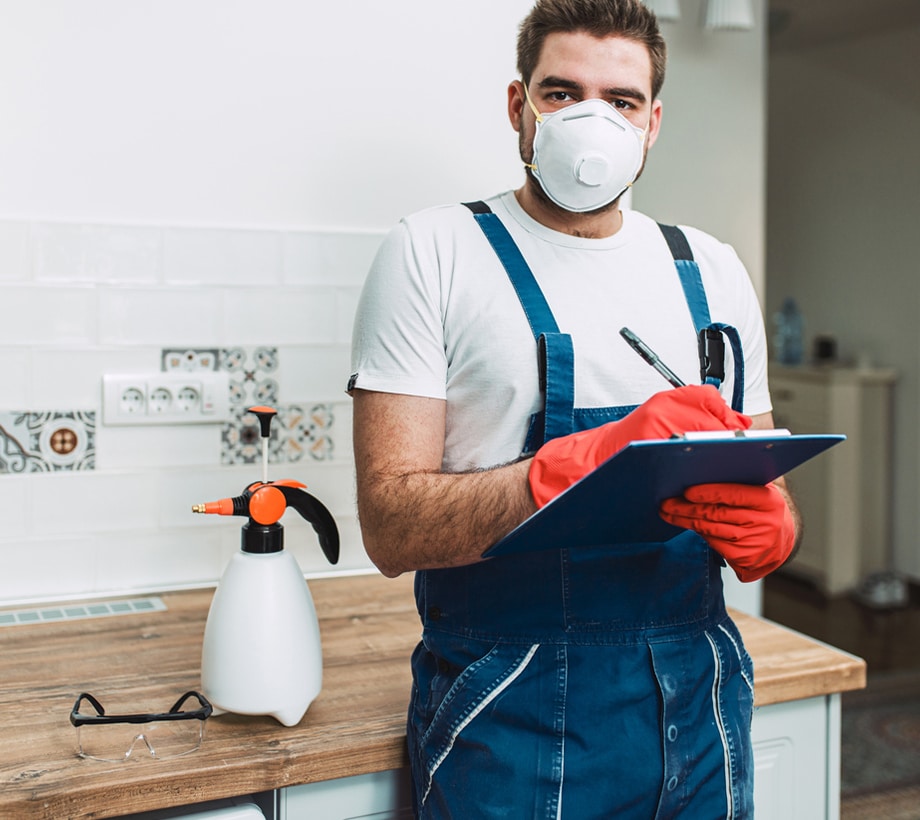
(280, 315)
(344, 421)
(315, 372)
(65, 504)
(15, 501)
(322, 258)
(38, 315)
(72, 376)
(157, 447)
(47, 569)
(353, 555)
(15, 260)
(80, 301)
(16, 386)
(332, 483)
(60, 252)
(133, 561)
(301, 541)
(179, 490)
(222, 257)
(97, 253)
(346, 305)
(131, 316)
(124, 254)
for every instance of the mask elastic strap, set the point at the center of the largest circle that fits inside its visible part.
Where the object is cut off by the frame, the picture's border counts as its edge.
(537, 114)
(533, 108)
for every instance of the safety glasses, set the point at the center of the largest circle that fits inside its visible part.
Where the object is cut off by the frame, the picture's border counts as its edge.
(114, 738)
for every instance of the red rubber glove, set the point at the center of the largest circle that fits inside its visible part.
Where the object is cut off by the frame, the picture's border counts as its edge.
(751, 527)
(562, 461)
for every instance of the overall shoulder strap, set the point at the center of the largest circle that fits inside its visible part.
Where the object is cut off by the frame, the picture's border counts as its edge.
(555, 352)
(536, 309)
(709, 333)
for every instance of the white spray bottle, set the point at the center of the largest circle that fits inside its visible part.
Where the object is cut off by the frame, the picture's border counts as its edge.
(261, 653)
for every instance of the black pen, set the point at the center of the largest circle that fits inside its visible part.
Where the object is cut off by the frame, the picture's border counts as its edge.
(650, 356)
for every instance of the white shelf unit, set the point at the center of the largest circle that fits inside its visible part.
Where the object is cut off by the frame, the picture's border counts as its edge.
(845, 494)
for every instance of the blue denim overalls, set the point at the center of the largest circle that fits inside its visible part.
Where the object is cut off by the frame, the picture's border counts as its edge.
(580, 683)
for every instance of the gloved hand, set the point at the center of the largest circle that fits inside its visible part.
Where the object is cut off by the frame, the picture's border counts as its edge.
(562, 461)
(751, 527)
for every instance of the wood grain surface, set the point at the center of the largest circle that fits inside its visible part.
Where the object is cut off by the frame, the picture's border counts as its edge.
(143, 662)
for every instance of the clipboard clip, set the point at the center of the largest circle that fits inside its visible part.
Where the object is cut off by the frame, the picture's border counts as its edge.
(719, 435)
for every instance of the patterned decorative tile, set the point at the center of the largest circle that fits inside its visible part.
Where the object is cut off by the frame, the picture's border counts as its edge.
(298, 432)
(251, 374)
(37, 442)
(174, 359)
(250, 369)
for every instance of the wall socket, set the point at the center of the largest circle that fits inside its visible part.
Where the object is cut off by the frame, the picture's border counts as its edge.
(196, 397)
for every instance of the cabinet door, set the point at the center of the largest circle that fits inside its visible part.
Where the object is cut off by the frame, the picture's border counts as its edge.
(377, 796)
(803, 409)
(792, 765)
(845, 495)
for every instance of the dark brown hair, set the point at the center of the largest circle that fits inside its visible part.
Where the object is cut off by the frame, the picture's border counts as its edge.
(601, 18)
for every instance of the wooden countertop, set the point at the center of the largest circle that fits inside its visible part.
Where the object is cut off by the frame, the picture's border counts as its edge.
(143, 662)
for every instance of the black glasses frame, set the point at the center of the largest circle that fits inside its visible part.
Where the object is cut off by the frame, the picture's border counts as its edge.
(176, 713)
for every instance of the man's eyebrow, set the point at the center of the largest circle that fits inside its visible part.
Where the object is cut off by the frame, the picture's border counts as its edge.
(560, 82)
(630, 93)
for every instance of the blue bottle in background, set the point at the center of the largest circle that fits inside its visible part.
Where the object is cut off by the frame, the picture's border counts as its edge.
(787, 340)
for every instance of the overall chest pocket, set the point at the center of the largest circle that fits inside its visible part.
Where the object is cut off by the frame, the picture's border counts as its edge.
(636, 586)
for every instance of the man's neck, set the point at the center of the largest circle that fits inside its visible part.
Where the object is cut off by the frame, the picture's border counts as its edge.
(590, 226)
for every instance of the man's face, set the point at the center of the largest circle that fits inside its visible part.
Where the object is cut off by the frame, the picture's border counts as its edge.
(576, 66)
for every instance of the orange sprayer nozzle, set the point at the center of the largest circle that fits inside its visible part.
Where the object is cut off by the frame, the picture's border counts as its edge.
(223, 507)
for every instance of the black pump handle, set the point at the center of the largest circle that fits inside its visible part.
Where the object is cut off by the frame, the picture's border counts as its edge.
(313, 511)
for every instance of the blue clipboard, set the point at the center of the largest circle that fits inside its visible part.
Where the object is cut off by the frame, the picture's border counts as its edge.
(618, 502)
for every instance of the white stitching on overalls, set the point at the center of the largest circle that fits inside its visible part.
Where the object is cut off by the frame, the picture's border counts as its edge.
(465, 722)
(561, 729)
(738, 649)
(717, 712)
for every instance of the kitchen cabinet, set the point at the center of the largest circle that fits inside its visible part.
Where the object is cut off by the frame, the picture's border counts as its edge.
(797, 760)
(376, 796)
(844, 495)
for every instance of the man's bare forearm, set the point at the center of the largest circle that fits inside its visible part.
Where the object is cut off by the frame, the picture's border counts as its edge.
(425, 520)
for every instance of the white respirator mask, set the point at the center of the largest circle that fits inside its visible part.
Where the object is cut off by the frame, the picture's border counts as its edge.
(585, 155)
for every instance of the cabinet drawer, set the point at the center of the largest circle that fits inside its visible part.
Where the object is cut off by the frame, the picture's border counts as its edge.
(800, 406)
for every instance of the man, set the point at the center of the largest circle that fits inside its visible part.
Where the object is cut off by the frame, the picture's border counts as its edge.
(488, 377)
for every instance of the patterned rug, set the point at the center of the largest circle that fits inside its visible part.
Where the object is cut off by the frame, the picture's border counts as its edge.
(880, 754)
(896, 804)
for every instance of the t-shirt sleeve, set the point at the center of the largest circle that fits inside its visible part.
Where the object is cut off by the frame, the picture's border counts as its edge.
(398, 337)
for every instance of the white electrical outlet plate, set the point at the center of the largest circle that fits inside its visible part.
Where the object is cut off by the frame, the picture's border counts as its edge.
(173, 397)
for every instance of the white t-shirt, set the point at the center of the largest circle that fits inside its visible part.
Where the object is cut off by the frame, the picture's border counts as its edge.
(438, 317)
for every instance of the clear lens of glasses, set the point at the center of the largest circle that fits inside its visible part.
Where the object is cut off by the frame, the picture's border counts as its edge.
(122, 741)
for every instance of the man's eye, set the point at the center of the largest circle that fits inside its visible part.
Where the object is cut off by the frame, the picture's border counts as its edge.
(622, 105)
(559, 96)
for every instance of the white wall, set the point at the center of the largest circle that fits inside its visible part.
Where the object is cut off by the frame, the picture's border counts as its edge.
(708, 167)
(843, 215)
(218, 174)
(252, 113)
